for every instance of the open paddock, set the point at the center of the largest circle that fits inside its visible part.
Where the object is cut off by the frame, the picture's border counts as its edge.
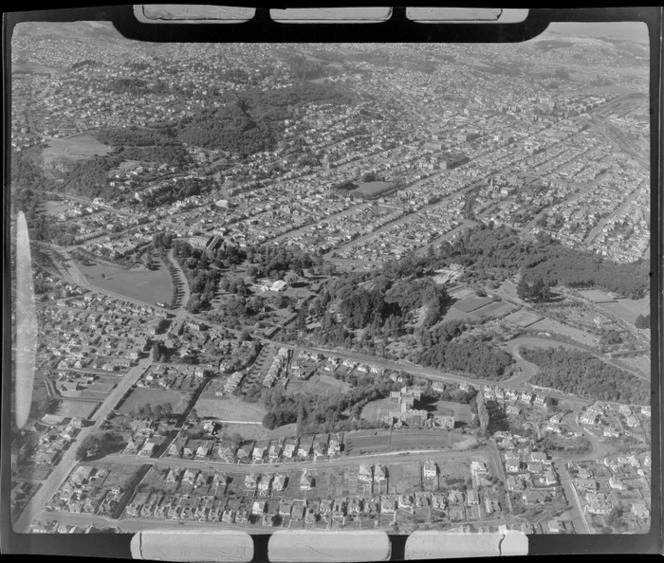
(79, 409)
(379, 441)
(626, 309)
(151, 286)
(404, 477)
(318, 385)
(142, 396)
(596, 296)
(229, 408)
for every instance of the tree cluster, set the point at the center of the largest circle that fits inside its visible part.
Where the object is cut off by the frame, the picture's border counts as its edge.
(99, 445)
(470, 355)
(580, 373)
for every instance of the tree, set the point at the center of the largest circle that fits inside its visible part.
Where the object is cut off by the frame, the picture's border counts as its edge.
(535, 290)
(642, 321)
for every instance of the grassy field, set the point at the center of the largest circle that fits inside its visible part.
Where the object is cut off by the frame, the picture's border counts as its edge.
(460, 411)
(523, 318)
(373, 188)
(627, 309)
(495, 309)
(75, 408)
(471, 303)
(78, 147)
(318, 384)
(151, 286)
(54, 207)
(142, 396)
(596, 295)
(229, 408)
(377, 441)
(549, 325)
(375, 410)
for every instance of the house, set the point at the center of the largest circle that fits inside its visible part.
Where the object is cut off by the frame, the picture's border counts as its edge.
(338, 508)
(478, 466)
(455, 497)
(334, 445)
(555, 526)
(285, 507)
(226, 452)
(244, 451)
(290, 447)
(320, 447)
(189, 476)
(405, 502)
(250, 482)
(274, 452)
(310, 517)
(380, 473)
(258, 507)
(305, 447)
(264, 483)
(472, 497)
(596, 503)
(306, 481)
(228, 516)
(279, 482)
(512, 465)
(365, 473)
(203, 449)
(258, 453)
(538, 456)
(387, 504)
(430, 469)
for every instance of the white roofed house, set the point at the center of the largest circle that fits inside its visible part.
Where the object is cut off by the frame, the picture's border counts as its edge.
(290, 448)
(274, 451)
(306, 481)
(264, 483)
(380, 473)
(279, 482)
(365, 473)
(334, 446)
(429, 469)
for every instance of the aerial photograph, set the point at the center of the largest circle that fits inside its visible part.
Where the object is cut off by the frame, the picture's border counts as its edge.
(351, 286)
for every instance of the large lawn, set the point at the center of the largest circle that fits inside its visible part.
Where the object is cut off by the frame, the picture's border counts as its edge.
(151, 286)
(317, 385)
(141, 396)
(229, 408)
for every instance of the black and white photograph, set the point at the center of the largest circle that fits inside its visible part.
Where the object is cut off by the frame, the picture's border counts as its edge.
(373, 286)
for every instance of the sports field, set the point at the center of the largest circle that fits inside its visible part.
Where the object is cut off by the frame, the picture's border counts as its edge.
(78, 147)
(151, 286)
(471, 303)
